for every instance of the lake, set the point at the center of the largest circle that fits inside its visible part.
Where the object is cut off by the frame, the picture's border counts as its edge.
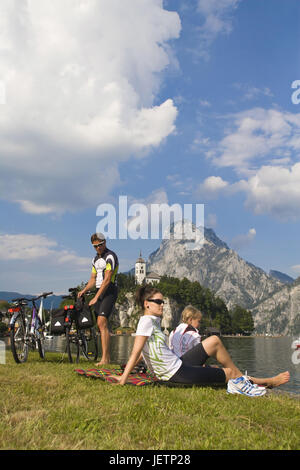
(260, 356)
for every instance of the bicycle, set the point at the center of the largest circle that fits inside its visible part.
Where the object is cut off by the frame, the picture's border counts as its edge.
(79, 329)
(27, 333)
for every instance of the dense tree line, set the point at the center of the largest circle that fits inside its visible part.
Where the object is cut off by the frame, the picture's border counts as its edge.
(185, 292)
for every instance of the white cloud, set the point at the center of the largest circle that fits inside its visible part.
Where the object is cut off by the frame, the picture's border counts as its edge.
(263, 147)
(251, 92)
(140, 214)
(217, 20)
(244, 240)
(27, 247)
(274, 190)
(255, 136)
(212, 187)
(81, 77)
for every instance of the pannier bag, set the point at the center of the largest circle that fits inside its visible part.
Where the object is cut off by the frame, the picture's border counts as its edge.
(85, 317)
(57, 323)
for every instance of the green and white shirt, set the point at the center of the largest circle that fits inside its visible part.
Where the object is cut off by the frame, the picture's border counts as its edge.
(159, 358)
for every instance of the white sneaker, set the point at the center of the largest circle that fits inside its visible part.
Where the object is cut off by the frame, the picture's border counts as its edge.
(255, 385)
(243, 386)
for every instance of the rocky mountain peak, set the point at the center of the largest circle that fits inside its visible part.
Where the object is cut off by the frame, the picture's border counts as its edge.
(215, 266)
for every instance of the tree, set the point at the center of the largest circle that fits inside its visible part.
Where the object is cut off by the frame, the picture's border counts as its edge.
(242, 321)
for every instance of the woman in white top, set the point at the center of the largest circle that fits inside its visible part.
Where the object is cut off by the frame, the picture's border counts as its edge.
(150, 344)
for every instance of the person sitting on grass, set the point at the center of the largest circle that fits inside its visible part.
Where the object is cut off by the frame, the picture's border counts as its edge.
(150, 344)
(186, 334)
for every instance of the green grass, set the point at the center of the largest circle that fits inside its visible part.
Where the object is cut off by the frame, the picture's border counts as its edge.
(46, 405)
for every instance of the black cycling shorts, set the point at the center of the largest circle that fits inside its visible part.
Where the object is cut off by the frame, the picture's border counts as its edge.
(106, 302)
(192, 370)
(198, 375)
(196, 356)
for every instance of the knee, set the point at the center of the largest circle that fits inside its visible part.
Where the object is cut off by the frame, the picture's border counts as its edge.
(102, 323)
(216, 340)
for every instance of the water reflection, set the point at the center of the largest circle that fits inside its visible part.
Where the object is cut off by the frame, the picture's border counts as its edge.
(260, 356)
(265, 357)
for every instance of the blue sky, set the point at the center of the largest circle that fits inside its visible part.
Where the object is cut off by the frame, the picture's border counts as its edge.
(182, 102)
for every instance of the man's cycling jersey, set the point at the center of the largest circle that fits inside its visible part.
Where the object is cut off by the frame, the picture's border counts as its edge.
(108, 261)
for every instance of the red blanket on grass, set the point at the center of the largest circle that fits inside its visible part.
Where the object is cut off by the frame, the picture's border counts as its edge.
(138, 379)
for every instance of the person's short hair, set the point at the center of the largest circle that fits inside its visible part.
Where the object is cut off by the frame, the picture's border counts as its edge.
(97, 237)
(190, 313)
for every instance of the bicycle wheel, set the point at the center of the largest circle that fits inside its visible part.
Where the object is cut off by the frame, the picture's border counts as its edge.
(89, 344)
(19, 345)
(72, 346)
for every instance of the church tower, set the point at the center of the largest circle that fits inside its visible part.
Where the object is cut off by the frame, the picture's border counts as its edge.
(140, 270)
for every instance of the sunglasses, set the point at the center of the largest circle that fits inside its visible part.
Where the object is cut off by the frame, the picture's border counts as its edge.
(99, 244)
(156, 301)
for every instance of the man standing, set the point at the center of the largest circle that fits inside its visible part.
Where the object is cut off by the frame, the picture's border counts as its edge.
(104, 272)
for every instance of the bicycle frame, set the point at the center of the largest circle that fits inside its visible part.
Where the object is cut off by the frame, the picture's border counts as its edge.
(30, 332)
(80, 339)
(36, 322)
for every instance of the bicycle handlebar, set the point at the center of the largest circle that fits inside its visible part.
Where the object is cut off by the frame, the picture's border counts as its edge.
(44, 295)
(72, 292)
(20, 300)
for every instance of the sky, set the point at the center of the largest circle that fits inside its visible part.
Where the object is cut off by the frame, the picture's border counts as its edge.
(177, 102)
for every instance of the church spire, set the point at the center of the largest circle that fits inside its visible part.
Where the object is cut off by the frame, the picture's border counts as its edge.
(140, 269)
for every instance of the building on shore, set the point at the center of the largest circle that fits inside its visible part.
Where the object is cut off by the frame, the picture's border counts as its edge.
(141, 274)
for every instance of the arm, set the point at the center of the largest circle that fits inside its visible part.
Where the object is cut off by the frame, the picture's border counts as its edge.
(139, 343)
(103, 287)
(91, 283)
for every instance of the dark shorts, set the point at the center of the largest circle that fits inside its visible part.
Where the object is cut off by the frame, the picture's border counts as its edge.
(106, 302)
(196, 356)
(192, 370)
(198, 375)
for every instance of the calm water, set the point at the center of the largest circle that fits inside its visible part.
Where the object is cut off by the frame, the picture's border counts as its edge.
(261, 357)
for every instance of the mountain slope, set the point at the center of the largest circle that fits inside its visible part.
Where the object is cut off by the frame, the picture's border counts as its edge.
(281, 277)
(280, 313)
(215, 266)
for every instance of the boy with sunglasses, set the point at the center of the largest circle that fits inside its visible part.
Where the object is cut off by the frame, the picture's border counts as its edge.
(105, 266)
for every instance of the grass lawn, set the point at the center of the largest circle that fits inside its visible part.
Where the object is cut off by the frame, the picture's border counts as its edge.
(46, 405)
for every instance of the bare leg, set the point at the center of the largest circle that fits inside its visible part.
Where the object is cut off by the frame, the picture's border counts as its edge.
(215, 348)
(271, 382)
(105, 339)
